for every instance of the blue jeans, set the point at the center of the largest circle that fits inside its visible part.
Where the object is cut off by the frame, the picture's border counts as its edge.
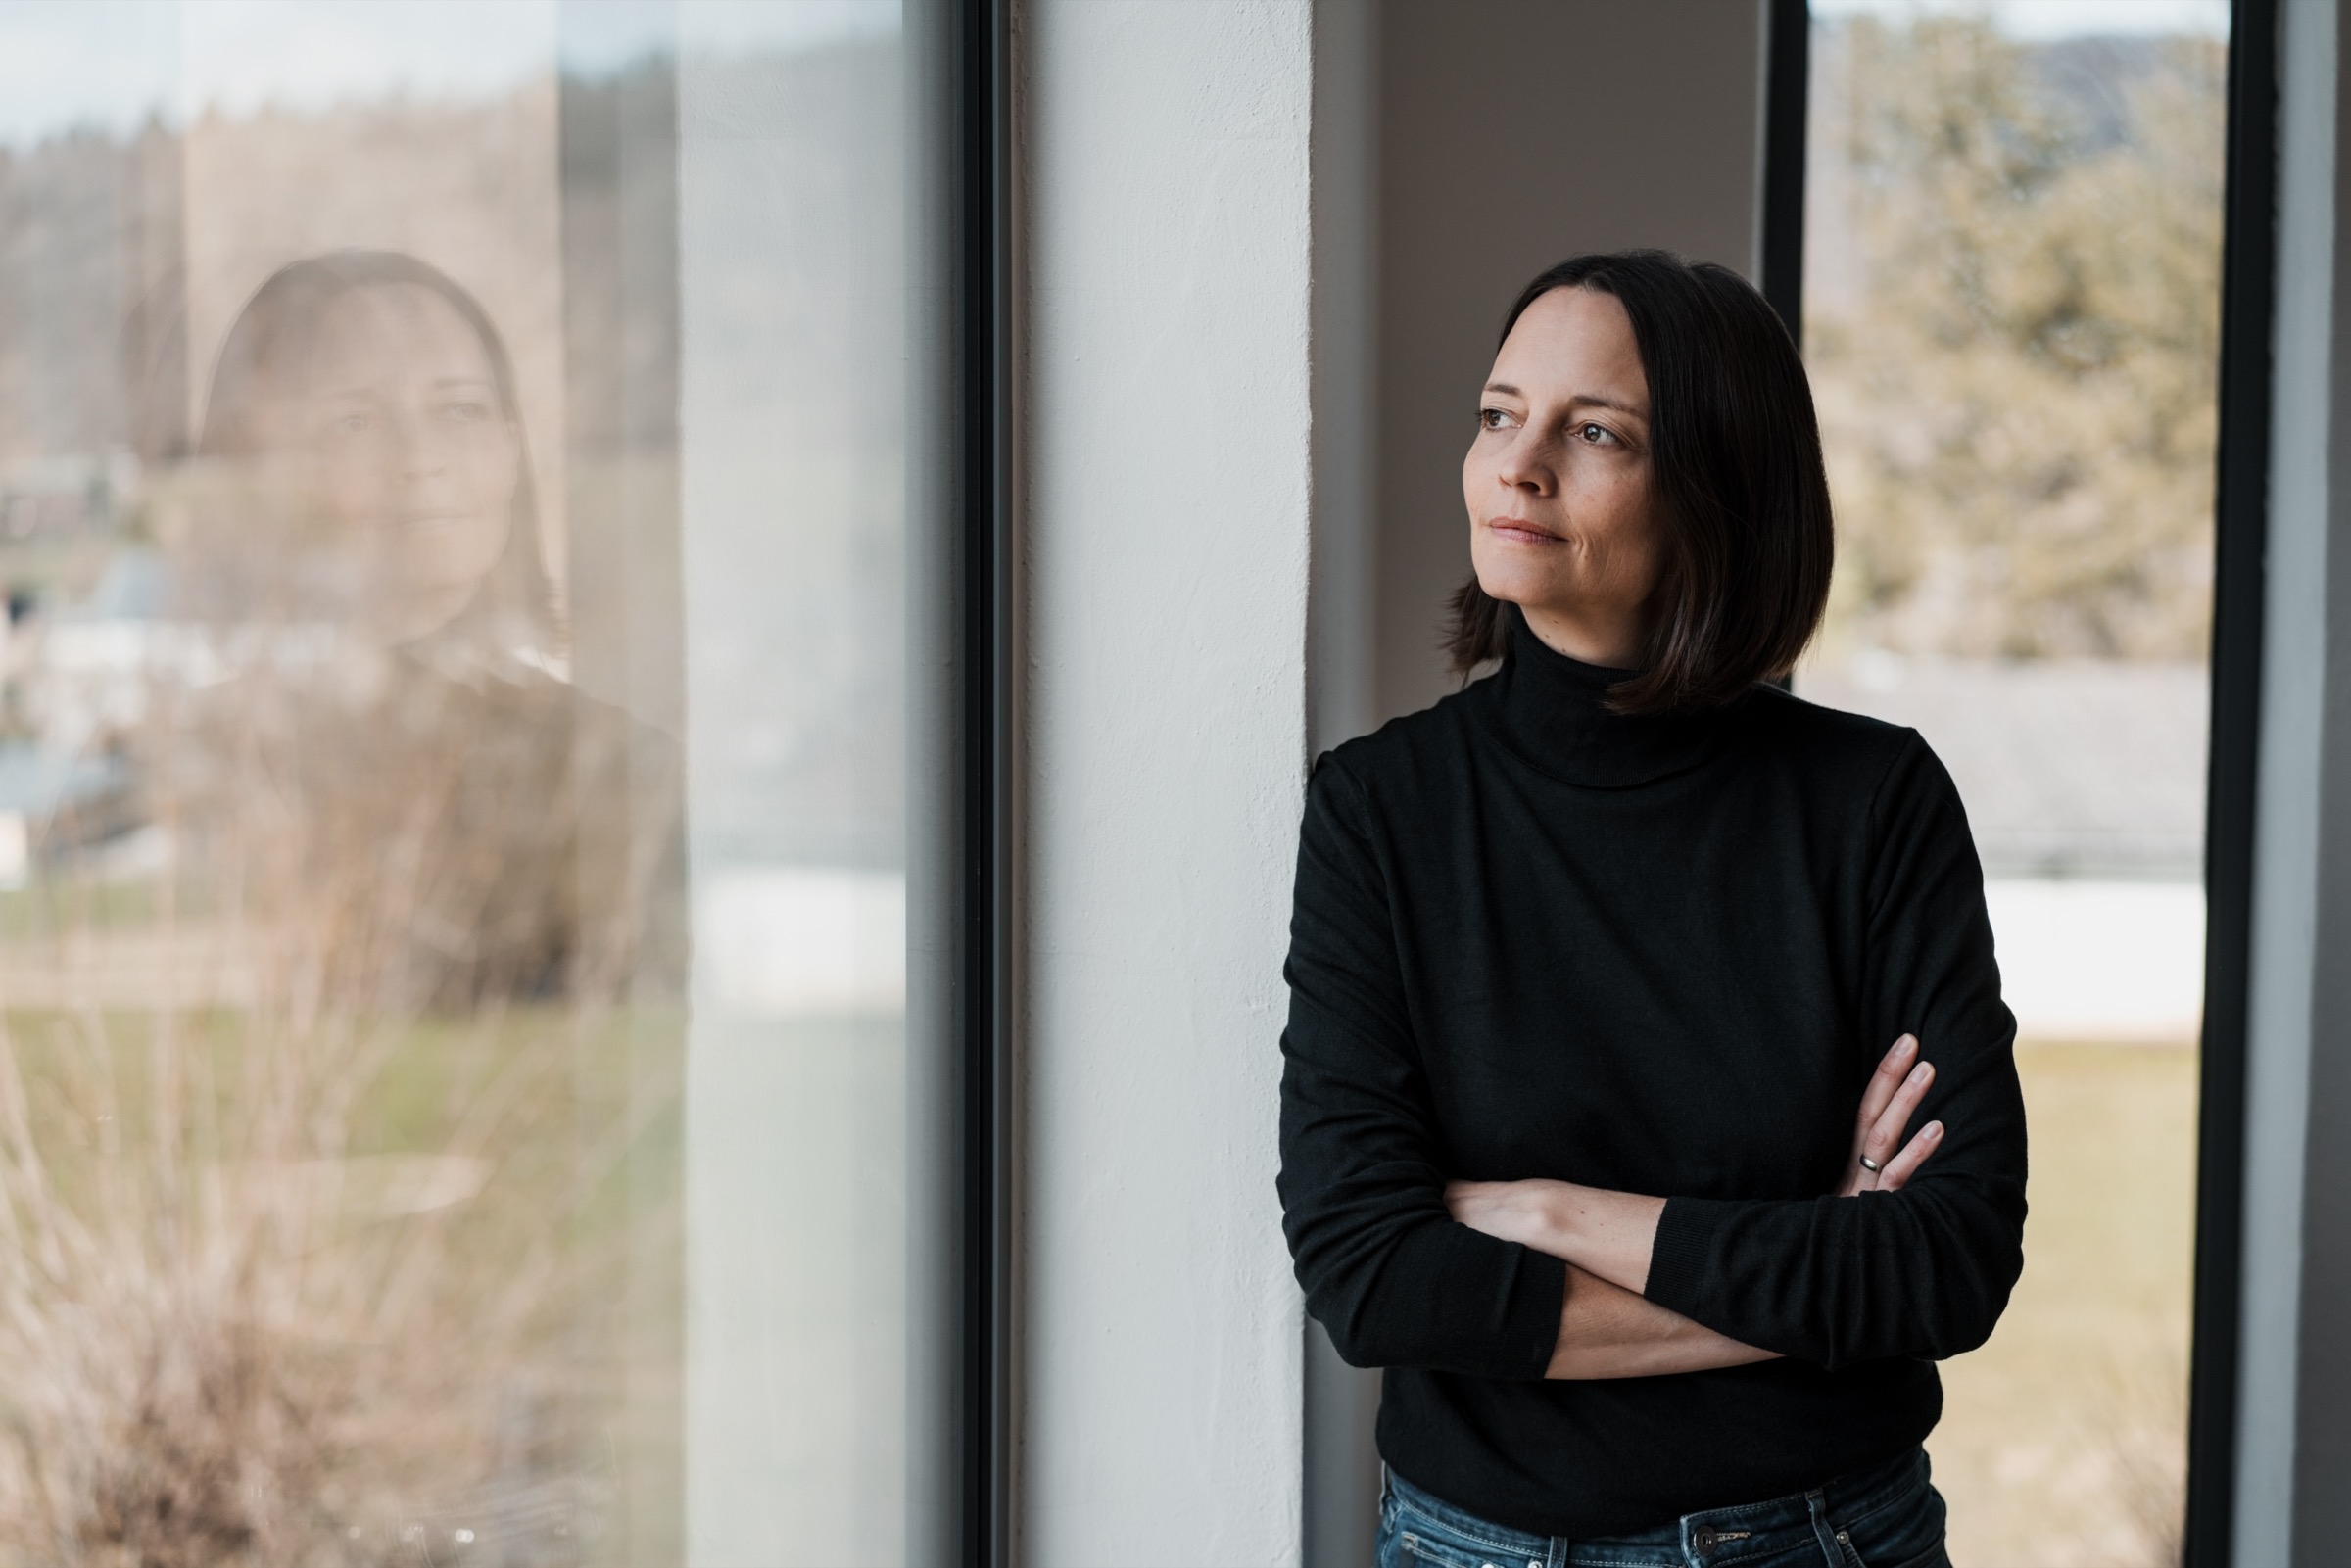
(1887, 1516)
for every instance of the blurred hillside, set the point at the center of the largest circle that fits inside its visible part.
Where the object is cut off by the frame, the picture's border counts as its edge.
(2012, 322)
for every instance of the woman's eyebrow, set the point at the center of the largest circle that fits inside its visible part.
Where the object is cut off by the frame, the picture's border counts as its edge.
(1597, 400)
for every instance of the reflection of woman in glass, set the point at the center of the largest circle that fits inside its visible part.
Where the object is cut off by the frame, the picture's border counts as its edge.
(465, 811)
(376, 384)
(424, 846)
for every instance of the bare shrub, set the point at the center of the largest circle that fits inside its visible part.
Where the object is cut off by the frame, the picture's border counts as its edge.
(316, 1268)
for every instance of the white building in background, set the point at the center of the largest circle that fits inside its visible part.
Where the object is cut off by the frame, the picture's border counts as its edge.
(2084, 785)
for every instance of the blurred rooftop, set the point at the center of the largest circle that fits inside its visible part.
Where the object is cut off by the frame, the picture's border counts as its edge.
(2076, 769)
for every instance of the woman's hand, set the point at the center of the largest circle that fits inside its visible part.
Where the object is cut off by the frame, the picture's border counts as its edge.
(1894, 1093)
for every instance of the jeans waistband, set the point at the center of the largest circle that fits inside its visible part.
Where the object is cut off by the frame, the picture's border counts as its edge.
(1727, 1533)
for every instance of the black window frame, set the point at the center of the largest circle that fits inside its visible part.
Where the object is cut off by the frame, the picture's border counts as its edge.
(982, 374)
(2241, 541)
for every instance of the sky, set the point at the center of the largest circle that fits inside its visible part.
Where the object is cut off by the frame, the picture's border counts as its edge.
(2044, 20)
(111, 64)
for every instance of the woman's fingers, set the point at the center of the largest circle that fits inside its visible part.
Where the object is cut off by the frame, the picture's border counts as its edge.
(1914, 1154)
(1893, 1068)
(1886, 1133)
(1888, 1102)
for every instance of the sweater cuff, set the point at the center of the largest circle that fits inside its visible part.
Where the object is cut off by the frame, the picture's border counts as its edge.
(1531, 1310)
(1677, 1257)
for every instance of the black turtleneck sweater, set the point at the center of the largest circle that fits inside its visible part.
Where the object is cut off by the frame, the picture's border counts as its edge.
(1534, 938)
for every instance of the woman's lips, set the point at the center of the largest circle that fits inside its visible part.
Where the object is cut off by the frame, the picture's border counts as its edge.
(1521, 532)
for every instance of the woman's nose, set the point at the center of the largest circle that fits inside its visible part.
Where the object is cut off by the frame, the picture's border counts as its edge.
(1525, 466)
(415, 453)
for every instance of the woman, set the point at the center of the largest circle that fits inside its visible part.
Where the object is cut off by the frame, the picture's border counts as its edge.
(1591, 1133)
(465, 825)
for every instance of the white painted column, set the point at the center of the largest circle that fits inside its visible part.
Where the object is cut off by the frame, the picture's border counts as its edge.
(1167, 462)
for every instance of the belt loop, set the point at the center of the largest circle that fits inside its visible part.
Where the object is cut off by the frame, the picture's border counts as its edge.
(1832, 1551)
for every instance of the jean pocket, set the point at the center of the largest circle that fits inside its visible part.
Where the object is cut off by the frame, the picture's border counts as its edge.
(1419, 1549)
(1408, 1541)
(1906, 1531)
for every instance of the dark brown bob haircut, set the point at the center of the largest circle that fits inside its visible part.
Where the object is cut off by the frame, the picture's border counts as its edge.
(1742, 495)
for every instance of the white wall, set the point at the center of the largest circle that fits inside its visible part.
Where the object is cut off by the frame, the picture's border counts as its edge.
(1166, 429)
(1342, 1403)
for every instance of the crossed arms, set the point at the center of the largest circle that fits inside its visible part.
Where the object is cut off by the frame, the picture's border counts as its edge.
(1606, 1327)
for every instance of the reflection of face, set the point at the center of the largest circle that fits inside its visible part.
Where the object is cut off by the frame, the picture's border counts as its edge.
(399, 411)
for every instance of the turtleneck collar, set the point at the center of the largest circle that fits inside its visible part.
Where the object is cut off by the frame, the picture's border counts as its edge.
(1551, 710)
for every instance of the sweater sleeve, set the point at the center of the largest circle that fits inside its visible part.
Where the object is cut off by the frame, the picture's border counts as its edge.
(1385, 1268)
(1926, 1271)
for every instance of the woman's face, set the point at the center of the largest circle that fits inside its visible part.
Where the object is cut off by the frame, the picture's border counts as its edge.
(1557, 481)
(397, 417)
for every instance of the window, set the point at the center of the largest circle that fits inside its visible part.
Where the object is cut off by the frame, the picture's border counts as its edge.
(476, 784)
(2011, 310)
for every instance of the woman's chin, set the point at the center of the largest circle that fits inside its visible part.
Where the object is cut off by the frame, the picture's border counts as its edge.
(1520, 573)
(1512, 585)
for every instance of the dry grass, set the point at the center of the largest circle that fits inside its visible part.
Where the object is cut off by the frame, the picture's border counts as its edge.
(230, 1338)
(2063, 1442)
(331, 1267)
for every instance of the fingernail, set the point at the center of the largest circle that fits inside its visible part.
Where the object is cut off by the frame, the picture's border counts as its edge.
(1921, 1073)
(1933, 1129)
(1906, 1044)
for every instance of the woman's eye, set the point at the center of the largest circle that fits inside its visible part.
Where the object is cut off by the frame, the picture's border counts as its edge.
(1595, 434)
(466, 413)
(1491, 418)
(351, 424)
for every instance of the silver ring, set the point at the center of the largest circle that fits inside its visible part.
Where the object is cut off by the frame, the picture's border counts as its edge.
(1871, 1165)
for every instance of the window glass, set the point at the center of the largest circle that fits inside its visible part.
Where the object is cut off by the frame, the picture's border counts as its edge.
(2011, 307)
(468, 759)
